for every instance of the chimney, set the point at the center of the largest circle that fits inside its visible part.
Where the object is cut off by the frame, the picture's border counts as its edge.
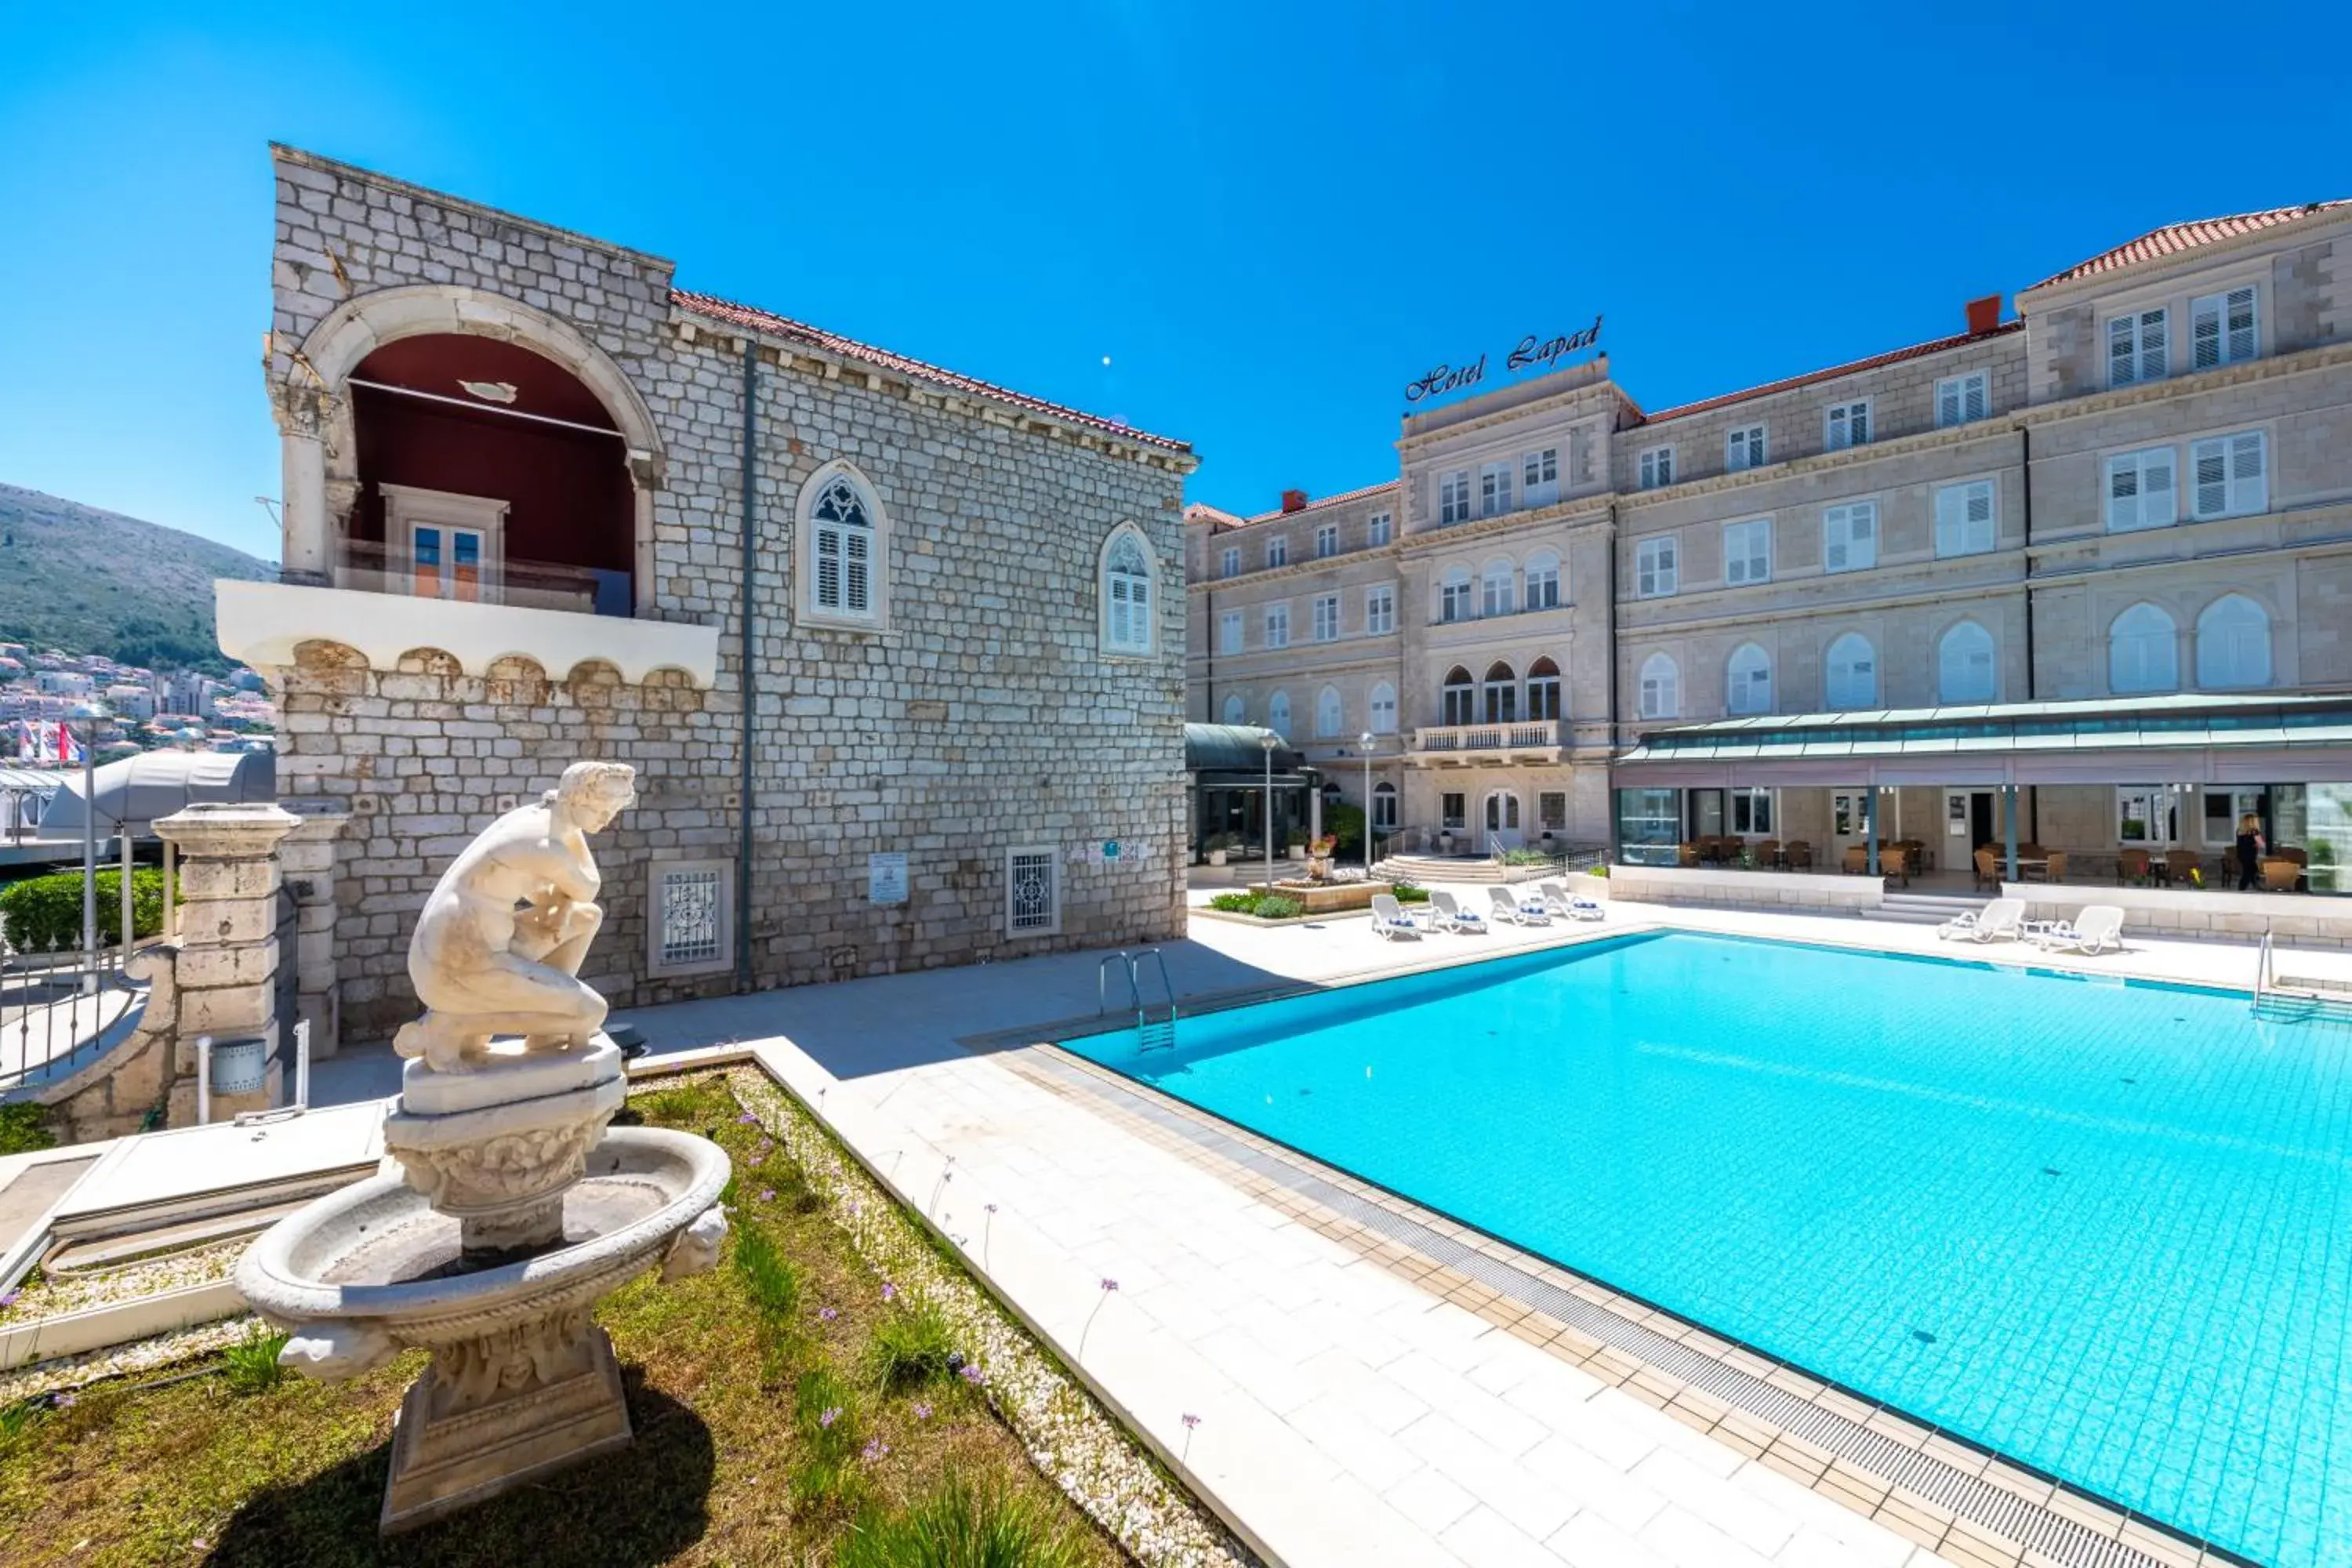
(1295, 500)
(1984, 314)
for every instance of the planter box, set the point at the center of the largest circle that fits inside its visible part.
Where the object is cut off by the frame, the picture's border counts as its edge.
(1338, 896)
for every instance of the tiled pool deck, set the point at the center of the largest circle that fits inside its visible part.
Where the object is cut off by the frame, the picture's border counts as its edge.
(1373, 1383)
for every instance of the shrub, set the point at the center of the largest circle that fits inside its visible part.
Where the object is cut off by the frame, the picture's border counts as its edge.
(43, 914)
(768, 1275)
(24, 1127)
(911, 1347)
(1235, 903)
(1346, 823)
(1409, 892)
(1276, 906)
(958, 1527)
(1526, 857)
(253, 1364)
(1600, 870)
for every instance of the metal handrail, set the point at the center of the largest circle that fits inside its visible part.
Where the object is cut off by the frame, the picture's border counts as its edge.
(2262, 969)
(1167, 986)
(1102, 1000)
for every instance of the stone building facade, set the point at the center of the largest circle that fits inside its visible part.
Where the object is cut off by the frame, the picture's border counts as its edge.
(518, 533)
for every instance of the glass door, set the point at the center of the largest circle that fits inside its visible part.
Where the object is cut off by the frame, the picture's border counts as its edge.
(445, 562)
(1502, 821)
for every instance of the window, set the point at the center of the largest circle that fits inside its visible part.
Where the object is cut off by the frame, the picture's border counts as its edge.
(2229, 472)
(2221, 328)
(694, 917)
(1277, 715)
(1501, 691)
(1540, 476)
(1455, 596)
(1748, 551)
(1327, 618)
(1752, 811)
(1126, 598)
(1543, 689)
(1383, 710)
(1494, 490)
(1852, 679)
(1330, 717)
(1229, 563)
(1744, 448)
(1454, 496)
(2140, 489)
(1457, 698)
(1452, 811)
(1377, 529)
(2135, 347)
(1551, 810)
(1495, 589)
(1964, 520)
(1278, 626)
(1277, 550)
(2233, 644)
(1033, 901)
(1962, 398)
(845, 559)
(2143, 652)
(1657, 467)
(1654, 567)
(1326, 540)
(2225, 808)
(1850, 536)
(1384, 812)
(454, 545)
(1846, 425)
(1380, 610)
(1236, 710)
(1229, 632)
(1964, 671)
(1661, 687)
(1748, 680)
(1542, 581)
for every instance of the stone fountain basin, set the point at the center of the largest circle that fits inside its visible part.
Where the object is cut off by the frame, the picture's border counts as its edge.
(371, 1255)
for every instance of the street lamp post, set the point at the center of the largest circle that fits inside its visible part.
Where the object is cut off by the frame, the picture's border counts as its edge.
(89, 714)
(1364, 745)
(1266, 743)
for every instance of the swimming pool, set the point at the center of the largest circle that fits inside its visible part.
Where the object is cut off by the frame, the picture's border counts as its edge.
(2091, 1224)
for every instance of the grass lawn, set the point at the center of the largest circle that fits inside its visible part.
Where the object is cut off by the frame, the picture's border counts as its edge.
(791, 1406)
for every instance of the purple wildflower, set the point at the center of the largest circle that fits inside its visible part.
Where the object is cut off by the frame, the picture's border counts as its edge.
(889, 1291)
(61, 1401)
(832, 1414)
(972, 1373)
(1109, 1284)
(989, 1207)
(747, 1119)
(9, 1300)
(767, 1195)
(875, 1448)
(826, 1314)
(922, 1412)
(1191, 1420)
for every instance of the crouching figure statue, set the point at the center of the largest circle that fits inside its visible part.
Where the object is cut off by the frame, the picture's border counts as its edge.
(498, 948)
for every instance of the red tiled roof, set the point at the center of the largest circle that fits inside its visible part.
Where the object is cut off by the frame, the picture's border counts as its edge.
(1359, 493)
(1897, 357)
(2174, 238)
(1217, 517)
(767, 321)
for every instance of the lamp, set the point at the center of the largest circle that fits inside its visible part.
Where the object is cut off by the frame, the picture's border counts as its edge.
(90, 715)
(1364, 743)
(1267, 743)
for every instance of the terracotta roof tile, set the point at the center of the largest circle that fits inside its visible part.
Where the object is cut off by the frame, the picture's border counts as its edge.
(2174, 238)
(1359, 493)
(1897, 357)
(777, 326)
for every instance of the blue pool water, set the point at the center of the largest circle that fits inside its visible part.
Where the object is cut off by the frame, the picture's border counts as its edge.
(2092, 1224)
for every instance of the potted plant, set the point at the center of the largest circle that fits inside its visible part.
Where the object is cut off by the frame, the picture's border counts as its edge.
(1295, 845)
(1319, 857)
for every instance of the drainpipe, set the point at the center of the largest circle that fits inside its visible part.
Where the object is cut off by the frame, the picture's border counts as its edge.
(1609, 781)
(744, 674)
(2025, 461)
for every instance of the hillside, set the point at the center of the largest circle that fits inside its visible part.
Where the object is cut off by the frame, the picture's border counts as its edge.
(85, 580)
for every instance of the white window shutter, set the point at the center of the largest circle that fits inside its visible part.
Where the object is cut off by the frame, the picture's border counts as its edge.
(828, 568)
(2123, 494)
(2242, 323)
(2121, 343)
(1947, 404)
(2209, 468)
(1976, 390)
(2153, 347)
(2205, 332)
(858, 576)
(2156, 491)
(2247, 464)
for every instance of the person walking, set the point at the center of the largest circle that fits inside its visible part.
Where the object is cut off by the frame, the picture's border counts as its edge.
(2249, 852)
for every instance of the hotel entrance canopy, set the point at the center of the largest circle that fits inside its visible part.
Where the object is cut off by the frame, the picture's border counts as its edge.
(2186, 738)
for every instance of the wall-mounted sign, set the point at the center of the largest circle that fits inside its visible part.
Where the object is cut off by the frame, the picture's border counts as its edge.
(1528, 351)
(886, 878)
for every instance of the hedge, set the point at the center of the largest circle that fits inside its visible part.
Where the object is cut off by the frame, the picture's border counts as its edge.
(43, 914)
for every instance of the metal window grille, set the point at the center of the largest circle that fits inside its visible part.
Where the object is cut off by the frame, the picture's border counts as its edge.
(1029, 895)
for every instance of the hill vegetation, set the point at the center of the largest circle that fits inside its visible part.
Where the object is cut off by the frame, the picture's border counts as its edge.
(83, 581)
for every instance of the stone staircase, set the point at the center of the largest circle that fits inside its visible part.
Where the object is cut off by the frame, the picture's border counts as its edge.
(1425, 869)
(1922, 909)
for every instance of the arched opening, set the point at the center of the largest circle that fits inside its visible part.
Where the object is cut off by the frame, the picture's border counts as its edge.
(1384, 808)
(1329, 719)
(1749, 682)
(1384, 713)
(1853, 673)
(1501, 691)
(1457, 698)
(1277, 715)
(1964, 667)
(1543, 689)
(1661, 687)
(2233, 644)
(1128, 600)
(1236, 710)
(2143, 652)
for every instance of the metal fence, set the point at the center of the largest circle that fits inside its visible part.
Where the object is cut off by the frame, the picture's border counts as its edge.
(59, 1009)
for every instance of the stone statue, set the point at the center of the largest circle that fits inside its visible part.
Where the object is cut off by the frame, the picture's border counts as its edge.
(499, 946)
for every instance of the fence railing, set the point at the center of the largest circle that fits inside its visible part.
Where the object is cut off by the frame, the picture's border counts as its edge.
(58, 1009)
(1539, 734)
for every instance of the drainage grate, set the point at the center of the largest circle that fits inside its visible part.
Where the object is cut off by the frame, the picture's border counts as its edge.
(1981, 1503)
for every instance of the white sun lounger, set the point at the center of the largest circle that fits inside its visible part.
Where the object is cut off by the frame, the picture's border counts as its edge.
(1523, 911)
(1389, 921)
(2003, 919)
(1559, 900)
(2098, 928)
(1451, 916)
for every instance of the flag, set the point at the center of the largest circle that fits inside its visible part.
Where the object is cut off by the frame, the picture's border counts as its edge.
(68, 749)
(26, 751)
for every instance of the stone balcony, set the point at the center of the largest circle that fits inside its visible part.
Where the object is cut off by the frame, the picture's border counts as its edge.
(1483, 745)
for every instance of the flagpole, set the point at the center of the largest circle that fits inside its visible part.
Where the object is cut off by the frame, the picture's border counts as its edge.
(90, 712)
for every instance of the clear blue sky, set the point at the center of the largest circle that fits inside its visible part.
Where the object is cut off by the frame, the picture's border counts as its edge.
(1268, 218)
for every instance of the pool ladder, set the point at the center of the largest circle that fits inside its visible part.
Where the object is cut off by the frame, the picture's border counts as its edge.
(1153, 1032)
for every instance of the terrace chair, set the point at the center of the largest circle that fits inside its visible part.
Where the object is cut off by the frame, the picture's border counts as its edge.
(1389, 921)
(1896, 860)
(1519, 908)
(1799, 854)
(2057, 872)
(2003, 919)
(1559, 902)
(1448, 915)
(2097, 927)
(2281, 875)
(2182, 867)
(1857, 861)
(1767, 852)
(1686, 855)
(2131, 866)
(1988, 867)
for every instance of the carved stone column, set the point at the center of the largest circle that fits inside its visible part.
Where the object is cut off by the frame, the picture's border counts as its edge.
(307, 859)
(228, 961)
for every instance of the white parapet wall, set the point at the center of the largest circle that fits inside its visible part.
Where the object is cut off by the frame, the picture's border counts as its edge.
(1720, 884)
(2303, 919)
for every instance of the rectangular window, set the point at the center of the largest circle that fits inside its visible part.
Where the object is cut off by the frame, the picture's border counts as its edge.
(1327, 618)
(1656, 567)
(1964, 519)
(1744, 448)
(1379, 611)
(2136, 347)
(1494, 490)
(2140, 490)
(1229, 632)
(1540, 476)
(1846, 425)
(1748, 551)
(1230, 565)
(1384, 708)
(1454, 604)
(1033, 901)
(1278, 626)
(1752, 811)
(1551, 810)
(2230, 476)
(1496, 592)
(1962, 398)
(1452, 811)
(693, 917)
(1543, 583)
(1657, 467)
(2221, 328)
(1327, 540)
(1377, 529)
(1453, 497)
(1277, 550)
(1850, 536)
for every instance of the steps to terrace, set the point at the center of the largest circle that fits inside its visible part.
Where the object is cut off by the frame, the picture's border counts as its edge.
(1426, 869)
(1922, 909)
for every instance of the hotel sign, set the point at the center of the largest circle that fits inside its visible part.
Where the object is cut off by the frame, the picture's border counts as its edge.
(1528, 351)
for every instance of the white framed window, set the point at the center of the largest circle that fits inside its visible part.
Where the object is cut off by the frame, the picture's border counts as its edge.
(1380, 610)
(1229, 632)
(1964, 518)
(1330, 717)
(451, 546)
(2137, 344)
(1660, 687)
(1744, 448)
(1749, 682)
(1277, 715)
(2233, 644)
(1277, 550)
(1455, 597)
(1540, 476)
(1383, 710)
(1033, 892)
(845, 580)
(2221, 328)
(1278, 626)
(1551, 810)
(1543, 689)
(1850, 536)
(1964, 669)
(1327, 617)
(1960, 399)
(1751, 810)
(1542, 579)
(1454, 496)
(1129, 608)
(1656, 566)
(1377, 529)
(1500, 690)
(1236, 710)
(1453, 809)
(2230, 474)
(1384, 808)
(1229, 563)
(1494, 489)
(1495, 589)
(1852, 679)
(1846, 425)
(1457, 699)
(2143, 652)
(2140, 489)
(1748, 551)
(1326, 540)
(692, 928)
(1657, 467)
